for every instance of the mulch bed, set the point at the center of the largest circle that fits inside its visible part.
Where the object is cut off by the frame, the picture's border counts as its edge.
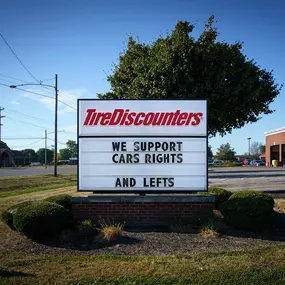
(155, 243)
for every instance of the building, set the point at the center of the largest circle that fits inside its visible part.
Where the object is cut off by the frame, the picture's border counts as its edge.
(10, 158)
(275, 146)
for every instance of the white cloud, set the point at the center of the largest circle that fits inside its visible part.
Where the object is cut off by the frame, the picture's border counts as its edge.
(67, 99)
(14, 102)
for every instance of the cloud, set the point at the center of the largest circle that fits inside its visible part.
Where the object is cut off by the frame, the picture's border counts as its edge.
(14, 102)
(67, 99)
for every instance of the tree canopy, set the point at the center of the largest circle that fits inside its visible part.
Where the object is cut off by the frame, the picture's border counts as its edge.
(31, 154)
(225, 152)
(178, 66)
(41, 155)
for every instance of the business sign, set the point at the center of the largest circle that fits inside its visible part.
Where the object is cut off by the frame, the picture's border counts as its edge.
(152, 146)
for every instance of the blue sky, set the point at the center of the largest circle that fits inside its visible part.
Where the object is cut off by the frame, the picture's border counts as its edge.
(80, 40)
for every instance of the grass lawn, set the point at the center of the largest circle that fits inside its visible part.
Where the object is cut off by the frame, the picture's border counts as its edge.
(259, 266)
(17, 185)
(253, 267)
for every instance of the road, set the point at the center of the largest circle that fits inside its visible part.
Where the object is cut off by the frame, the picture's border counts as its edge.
(248, 178)
(231, 178)
(19, 171)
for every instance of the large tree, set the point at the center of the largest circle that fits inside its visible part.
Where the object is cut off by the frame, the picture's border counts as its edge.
(65, 154)
(210, 152)
(31, 154)
(225, 152)
(41, 155)
(178, 66)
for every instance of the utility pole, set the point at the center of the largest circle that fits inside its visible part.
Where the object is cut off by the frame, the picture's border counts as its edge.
(55, 127)
(1, 109)
(249, 146)
(45, 148)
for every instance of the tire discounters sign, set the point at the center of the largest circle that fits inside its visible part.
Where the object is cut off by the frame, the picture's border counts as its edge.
(150, 146)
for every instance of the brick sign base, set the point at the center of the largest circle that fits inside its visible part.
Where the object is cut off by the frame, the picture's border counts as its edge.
(141, 211)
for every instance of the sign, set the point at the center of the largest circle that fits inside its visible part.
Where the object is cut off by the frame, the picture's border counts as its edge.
(130, 146)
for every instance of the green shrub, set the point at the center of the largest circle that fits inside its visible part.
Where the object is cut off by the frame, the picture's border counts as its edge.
(39, 220)
(247, 213)
(255, 195)
(63, 200)
(221, 195)
(8, 214)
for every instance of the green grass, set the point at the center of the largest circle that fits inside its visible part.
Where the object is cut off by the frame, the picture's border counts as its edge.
(17, 185)
(259, 266)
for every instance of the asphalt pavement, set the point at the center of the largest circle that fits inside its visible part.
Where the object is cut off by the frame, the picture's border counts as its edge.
(248, 178)
(19, 171)
(232, 178)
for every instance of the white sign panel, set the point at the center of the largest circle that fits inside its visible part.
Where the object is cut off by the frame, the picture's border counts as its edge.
(142, 118)
(142, 146)
(125, 164)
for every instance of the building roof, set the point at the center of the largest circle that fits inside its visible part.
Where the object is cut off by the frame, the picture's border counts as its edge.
(263, 155)
(18, 153)
(276, 131)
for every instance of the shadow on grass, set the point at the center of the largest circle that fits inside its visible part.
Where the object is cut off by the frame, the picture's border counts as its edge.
(10, 273)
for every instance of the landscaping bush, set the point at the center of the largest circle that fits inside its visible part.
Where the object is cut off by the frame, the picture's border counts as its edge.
(221, 195)
(39, 220)
(8, 214)
(247, 213)
(63, 200)
(255, 195)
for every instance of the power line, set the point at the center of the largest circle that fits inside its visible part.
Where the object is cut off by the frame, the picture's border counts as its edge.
(37, 118)
(35, 93)
(5, 41)
(28, 144)
(57, 141)
(17, 88)
(28, 124)
(13, 78)
(10, 138)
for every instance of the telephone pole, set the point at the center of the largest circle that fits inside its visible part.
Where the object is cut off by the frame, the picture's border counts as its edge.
(45, 148)
(1, 109)
(55, 128)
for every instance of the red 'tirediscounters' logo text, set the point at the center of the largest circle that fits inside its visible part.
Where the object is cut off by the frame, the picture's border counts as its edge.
(124, 117)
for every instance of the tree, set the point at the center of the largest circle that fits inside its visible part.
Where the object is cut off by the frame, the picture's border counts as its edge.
(178, 66)
(41, 155)
(3, 145)
(210, 152)
(72, 147)
(262, 149)
(255, 148)
(31, 154)
(225, 152)
(65, 153)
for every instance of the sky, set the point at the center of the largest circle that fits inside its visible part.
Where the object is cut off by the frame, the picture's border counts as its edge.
(81, 40)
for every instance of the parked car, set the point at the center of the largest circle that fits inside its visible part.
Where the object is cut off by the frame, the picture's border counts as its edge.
(257, 163)
(247, 161)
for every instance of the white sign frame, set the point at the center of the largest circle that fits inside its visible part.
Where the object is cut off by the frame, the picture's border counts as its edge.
(157, 136)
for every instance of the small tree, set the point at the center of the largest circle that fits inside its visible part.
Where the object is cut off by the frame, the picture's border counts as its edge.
(72, 147)
(262, 149)
(65, 154)
(255, 150)
(225, 152)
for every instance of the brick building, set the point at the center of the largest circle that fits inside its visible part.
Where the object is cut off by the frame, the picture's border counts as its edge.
(275, 146)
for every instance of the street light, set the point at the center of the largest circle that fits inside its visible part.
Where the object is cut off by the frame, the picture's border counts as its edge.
(249, 146)
(55, 115)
